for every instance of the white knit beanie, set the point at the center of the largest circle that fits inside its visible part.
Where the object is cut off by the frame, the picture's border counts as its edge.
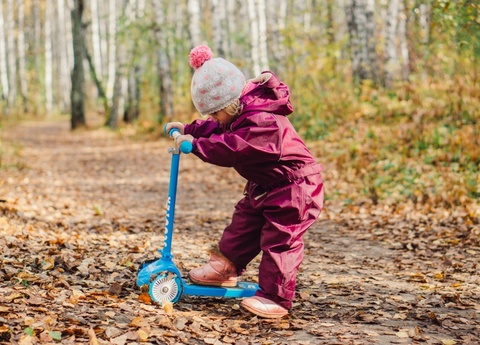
(216, 83)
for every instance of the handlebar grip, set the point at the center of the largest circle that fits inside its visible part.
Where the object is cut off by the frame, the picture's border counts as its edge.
(185, 146)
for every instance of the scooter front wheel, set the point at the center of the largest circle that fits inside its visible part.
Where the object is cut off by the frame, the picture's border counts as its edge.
(166, 287)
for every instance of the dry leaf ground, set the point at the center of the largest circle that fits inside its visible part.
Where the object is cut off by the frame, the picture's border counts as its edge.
(80, 211)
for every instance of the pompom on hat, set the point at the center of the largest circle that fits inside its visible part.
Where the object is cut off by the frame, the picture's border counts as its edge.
(216, 82)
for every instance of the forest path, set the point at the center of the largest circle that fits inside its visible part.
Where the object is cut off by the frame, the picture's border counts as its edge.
(80, 211)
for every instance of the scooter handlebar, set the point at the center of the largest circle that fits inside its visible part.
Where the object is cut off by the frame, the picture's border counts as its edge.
(185, 146)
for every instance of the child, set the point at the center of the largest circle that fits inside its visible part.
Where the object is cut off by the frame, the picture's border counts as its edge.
(248, 130)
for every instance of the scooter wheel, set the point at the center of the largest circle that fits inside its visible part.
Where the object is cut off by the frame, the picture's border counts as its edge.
(166, 288)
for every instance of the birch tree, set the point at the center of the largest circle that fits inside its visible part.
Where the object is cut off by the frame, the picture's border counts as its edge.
(276, 24)
(77, 102)
(163, 61)
(64, 69)
(402, 36)
(96, 46)
(392, 62)
(361, 28)
(112, 46)
(22, 71)
(3, 56)
(11, 54)
(134, 12)
(254, 41)
(49, 17)
(193, 8)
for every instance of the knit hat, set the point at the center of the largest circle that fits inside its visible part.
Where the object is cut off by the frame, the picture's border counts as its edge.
(216, 83)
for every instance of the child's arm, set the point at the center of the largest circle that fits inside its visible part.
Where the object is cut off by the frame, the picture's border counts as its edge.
(202, 128)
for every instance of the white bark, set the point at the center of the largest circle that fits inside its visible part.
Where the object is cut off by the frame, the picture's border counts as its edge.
(402, 36)
(391, 63)
(64, 70)
(11, 53)
(194, 25)
(96, 46)
(276, 23)
(262, 31)
(48, 56)
(22, 72)
(424, 19)
(217, 26)
(164, 68)
(361, 26)
(254, 37)
(3, 56)
(112, 47)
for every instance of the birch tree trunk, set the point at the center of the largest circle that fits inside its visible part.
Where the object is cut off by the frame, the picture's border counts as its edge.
(163, 61)
(391, 62)
(112, 46)
(402, 36)
(78, 75)
(3, 57)
(254, 37)
(97, 49)
(218, 26)
(193, 7)
(262, 39)
(361, 27)
(276, 24)
(118, 70)
(11, 54)
(22, 72)
(49, 17)
(64, 70)
(132, 82)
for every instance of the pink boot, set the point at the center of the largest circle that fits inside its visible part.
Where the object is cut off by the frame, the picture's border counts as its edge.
(263, 307)
(218, 272)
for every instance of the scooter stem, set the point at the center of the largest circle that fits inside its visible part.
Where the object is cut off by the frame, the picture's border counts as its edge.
(172, 198)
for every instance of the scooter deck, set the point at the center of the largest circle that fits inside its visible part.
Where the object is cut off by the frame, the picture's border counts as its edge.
(243, 289)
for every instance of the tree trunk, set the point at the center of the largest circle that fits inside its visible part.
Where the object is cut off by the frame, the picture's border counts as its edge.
(163, 62)
(402, 36)
(391, 63)
(194, 22)
(132, 83)
(11, 54)
(78, 75)
(3, 58)
(276, 23)
(22, 71)
(361, 27)
(112, 46)
(254, 37)
(97, 50)
(262, 31)
(49, 10)
(64, 70)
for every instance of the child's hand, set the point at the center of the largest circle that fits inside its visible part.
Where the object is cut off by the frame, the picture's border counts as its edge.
(178, 125)
(182, 138)
(261, 79)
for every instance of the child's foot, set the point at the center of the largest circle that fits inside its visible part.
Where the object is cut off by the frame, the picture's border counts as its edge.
(264, 307)
(218, 272)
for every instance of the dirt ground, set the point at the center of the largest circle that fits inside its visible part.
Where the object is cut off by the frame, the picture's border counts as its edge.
(79, 212)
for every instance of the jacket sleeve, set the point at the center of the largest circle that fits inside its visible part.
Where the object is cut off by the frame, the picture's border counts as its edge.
(202, 128)
(254, 144)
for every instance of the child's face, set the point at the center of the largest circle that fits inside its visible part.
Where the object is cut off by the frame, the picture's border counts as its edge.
(222, 117)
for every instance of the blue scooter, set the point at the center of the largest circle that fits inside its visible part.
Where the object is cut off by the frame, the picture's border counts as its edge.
(164, 279)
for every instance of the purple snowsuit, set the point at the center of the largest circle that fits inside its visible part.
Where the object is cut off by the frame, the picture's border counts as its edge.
(284, 192)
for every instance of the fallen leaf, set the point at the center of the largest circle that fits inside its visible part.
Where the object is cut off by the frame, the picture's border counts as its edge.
(92, 337)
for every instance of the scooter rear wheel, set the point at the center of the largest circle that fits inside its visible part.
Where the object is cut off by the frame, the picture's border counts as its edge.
(166, 287)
